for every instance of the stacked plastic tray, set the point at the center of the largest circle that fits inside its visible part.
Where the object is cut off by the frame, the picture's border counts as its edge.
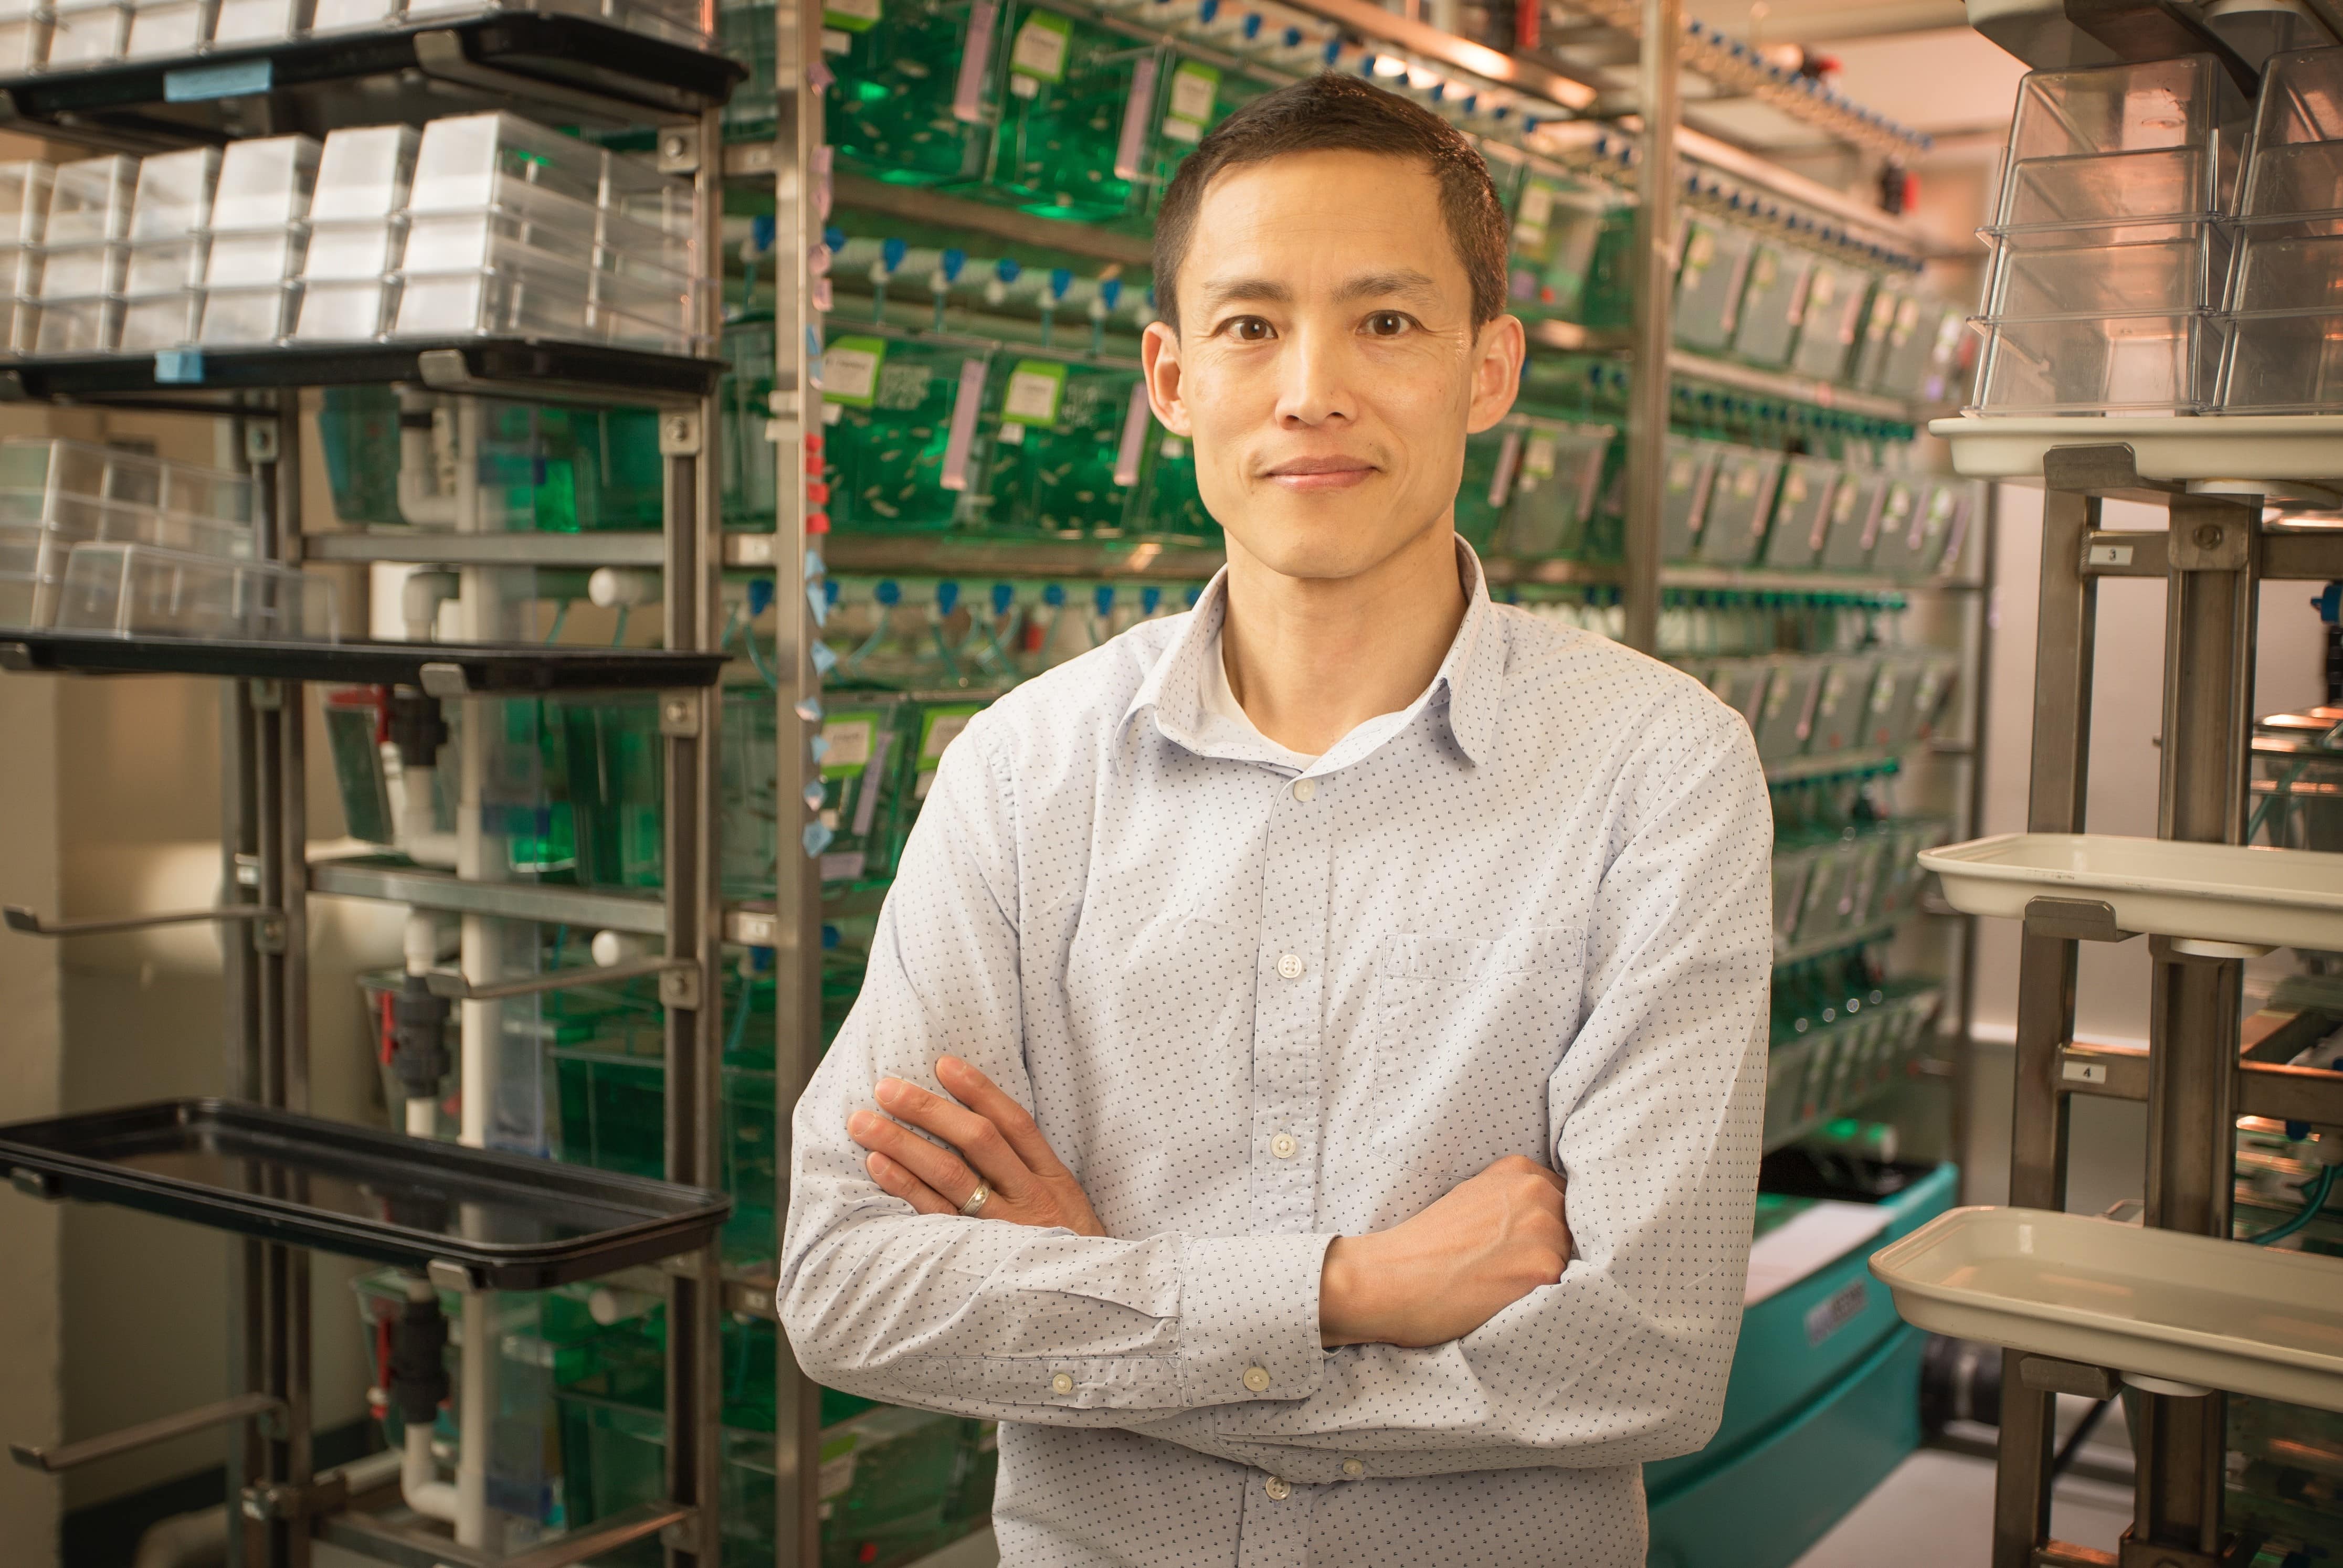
(485, 223)
(2111, 241)
(95, 538)
(83, 35)
(2285, 350)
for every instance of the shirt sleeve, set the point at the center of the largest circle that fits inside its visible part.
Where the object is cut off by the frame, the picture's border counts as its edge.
(983, 1316)
(1658, 1109)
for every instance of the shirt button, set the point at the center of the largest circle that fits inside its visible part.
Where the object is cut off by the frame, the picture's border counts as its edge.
(1304, 788)
(1278, 1488)
(1256, 1378)
(1283, 1146)
(1353, 1469)
(1289, 966)
(1062, 1383)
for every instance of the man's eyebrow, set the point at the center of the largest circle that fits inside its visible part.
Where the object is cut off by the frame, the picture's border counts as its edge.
(1406, 282)
(1229, 290)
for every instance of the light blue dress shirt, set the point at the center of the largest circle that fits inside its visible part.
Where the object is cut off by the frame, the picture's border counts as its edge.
(1254, 1009)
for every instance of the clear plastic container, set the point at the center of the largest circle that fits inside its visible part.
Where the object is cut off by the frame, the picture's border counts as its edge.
(214, 494)
(2137, 194)
(1802, 512)
(2296, 168)
(1919, 348)
(363, 172)
(162, 265)
(2185, 103)
(1740, 506)
(257, 314)
(1686, 482)
(153, 321)
(32, 567)
(1850, 530)
(2187, 272)
(84, 35)
(1786, 717)
(1890, 300)
(89, 199)
(20, 277)
(1555, 481)
(2289, 272)
(1827, 326)
(348, 15)
(459, 159)
(24, 201)
(266, 182)
(1914, 549)
(139, 590)
(526, 292)
(245, 257)
(24, 43)
(174, 194)
(1709, 279)
(259, 21)
(1772, 302)
(357, 250)
(160, 29)
(78, 271)
(2144, 363)
(2283, 362)
(356, 310)
(446, 241)
(54, 468)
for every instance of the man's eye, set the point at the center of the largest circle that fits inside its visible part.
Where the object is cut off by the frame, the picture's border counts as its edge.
(1249, 329)
(1386, 323)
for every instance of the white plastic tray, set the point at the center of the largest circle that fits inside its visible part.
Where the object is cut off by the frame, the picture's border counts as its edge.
(2191, 447)
(2210, 892)
(2193, 1310)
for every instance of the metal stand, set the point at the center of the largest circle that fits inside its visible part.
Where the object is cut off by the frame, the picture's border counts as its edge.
(2213, 557)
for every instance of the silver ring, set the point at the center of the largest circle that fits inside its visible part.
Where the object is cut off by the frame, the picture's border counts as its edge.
(977, 1201)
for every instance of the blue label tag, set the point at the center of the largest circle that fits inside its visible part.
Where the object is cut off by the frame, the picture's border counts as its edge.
(179, 366)
(234, 79)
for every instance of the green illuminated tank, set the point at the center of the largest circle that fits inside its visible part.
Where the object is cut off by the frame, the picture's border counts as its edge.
(913, 101)
(1076, 104)
(1057, 430)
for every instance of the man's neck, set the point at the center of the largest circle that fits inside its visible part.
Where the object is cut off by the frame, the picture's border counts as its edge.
(1309, 660)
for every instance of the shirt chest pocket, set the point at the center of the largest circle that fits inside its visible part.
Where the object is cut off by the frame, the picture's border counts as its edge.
(1466, 1034)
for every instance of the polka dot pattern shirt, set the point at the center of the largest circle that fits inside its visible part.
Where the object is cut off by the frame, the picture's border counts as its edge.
(1255, 1008)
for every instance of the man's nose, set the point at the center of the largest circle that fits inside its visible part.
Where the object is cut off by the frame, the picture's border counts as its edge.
(1319, 387)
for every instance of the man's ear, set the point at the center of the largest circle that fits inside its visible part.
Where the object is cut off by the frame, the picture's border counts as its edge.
(1159, 358)
(1498, 351)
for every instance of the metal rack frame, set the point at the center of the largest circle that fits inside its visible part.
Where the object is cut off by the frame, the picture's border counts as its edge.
(2193, 1079)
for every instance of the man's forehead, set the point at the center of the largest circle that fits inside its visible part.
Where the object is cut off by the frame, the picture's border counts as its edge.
(1345, 222)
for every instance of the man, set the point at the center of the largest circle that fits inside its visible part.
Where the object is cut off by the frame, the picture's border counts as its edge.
(1324, 933)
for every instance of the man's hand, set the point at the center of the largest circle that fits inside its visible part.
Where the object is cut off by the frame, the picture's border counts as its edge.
(1437, 1277)
(987, 1130)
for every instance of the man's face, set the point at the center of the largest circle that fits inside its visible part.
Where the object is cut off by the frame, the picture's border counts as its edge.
(1326, 367)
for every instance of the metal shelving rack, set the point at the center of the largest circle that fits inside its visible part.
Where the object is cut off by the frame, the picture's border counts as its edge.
(567, 70)
(2199, 1073)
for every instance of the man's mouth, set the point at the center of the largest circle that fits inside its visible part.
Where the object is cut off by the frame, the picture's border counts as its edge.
(1321, 473)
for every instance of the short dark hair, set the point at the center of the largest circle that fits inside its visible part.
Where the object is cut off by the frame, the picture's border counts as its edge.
(1331, 113)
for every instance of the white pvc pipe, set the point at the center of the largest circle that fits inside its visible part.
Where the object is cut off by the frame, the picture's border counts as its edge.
(419, 599)
(612, 948)
(420, 500)
(612, 587)
(419, 837)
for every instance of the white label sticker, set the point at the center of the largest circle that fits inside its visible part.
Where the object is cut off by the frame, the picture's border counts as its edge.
(1537, 212)
(863, 11)
(836, 41)
(849, 375)
(837, 1472)
(1012, 435)
(1034, 396)
(1040, 47)
(1186, 130)
(941, 734)
(1194, 88)
(846, 743)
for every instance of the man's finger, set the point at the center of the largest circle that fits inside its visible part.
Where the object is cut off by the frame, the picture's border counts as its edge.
(943, 1170)
(1553, 1179)
(897, 1183)
(980, 1142)
(973, 1089)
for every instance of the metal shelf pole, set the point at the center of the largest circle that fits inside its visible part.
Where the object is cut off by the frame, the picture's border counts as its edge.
(802, 200)
(1654, 277)
(691, 723)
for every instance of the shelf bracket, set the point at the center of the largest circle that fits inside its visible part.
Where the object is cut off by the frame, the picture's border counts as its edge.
(454, 987)
(29, 923)
(2050, 1374)
(220, 1412)
(2074, 921)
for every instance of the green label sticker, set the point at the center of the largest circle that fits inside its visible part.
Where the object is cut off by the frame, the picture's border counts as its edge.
(1035, 388)
(1041, 46)
(1536, 213)
(853, 15)
(939, 727)
(850, 370)
(1194, 94)
(1537, 456)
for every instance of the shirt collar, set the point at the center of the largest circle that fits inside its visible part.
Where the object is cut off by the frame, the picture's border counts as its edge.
(1465, 692)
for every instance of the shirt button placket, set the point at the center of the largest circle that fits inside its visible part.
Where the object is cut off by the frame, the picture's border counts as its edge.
(1275, 1530)
(1288, 1054)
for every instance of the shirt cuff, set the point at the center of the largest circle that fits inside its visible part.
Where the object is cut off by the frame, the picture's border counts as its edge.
(1249, 1318)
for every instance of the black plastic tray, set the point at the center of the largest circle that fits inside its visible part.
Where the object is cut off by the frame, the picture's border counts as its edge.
(509, 1221)
(488, 667)
(542, 370)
